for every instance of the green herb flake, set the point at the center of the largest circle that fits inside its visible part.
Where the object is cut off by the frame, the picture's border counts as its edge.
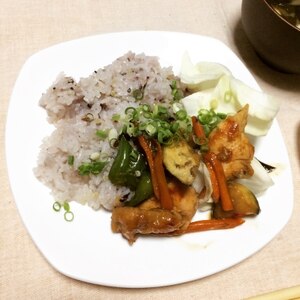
(94, 167)
(69, 216)
(66, 206)
(102, 134)
(116, 117)
(56, 206)
(138, 94)
(71, 160)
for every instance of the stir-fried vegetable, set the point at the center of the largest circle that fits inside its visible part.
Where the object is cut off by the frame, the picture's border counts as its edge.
(128, 166)
(225, 197)
(244, 203)
(144, 190)
(213, 224)
(159, 182)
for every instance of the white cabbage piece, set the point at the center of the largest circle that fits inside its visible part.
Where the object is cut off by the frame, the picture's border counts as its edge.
(229, 96)
(201, 181)
(260, 181)
(202, 75)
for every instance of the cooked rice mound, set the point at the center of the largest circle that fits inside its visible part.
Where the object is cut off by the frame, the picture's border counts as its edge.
(79, 109)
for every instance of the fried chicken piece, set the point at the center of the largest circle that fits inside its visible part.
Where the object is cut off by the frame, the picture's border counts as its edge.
(150, 218)
(232, 147)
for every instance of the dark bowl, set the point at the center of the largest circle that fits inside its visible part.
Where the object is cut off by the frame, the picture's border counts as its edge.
(275, 40)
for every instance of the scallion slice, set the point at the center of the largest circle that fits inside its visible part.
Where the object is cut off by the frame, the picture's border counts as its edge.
(71, 160)
(56, 206)
(102, 133)
(69, 216)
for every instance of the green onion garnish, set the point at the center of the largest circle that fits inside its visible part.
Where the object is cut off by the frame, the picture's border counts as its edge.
(102, 133)
(94, 167)
(66, 206)
(181, 114)
(71, 160)
(176, 93)
(116, 117)
(69, 216)
(210, 119)
(56, 206)
(138, 94)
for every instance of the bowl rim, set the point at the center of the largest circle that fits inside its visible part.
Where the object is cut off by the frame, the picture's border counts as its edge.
(283, 19)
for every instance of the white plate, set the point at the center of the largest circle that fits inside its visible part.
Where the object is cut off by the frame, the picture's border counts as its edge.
(86, 249)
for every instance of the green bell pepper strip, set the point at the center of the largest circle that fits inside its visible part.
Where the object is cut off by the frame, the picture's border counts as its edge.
(128, 166)
(143, 191)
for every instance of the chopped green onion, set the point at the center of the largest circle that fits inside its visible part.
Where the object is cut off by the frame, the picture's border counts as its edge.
(176, 93)
(157, 121)
(130, 111)
(56, 206)
(174, 127)
(161, 110)
(210, 119)
(181, 114)
(66, 206)
(146, 107)
(116, 117)
(222, 116)
(102, 133)
(138, 94)
(94, 167)
(147, 115)
(150, 129)
(71, 160)
(69, 216)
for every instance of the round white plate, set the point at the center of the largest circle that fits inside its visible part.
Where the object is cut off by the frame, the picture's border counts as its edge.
(86, 249)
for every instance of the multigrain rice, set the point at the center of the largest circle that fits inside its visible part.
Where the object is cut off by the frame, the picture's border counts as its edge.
(79, 109)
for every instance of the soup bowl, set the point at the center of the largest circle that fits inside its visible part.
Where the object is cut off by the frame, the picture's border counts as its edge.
(274, 38)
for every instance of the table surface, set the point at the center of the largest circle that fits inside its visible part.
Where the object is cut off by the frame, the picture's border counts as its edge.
(27, 26)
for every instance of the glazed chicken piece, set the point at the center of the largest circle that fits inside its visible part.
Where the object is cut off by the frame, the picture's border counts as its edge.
(150, 218)
(232, 147)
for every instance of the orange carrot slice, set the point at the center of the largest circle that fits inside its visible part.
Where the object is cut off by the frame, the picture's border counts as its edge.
(225, 198)
(214, 182)
(198, 130)
(158, 177)
(164, 193)
(213, 224)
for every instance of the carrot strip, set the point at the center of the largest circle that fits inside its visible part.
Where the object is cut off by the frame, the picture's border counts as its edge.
(198, 130)
(149, 155)
(213, 224)
(158, 178)
(164, 193)
(225, 198)
(214, 182)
